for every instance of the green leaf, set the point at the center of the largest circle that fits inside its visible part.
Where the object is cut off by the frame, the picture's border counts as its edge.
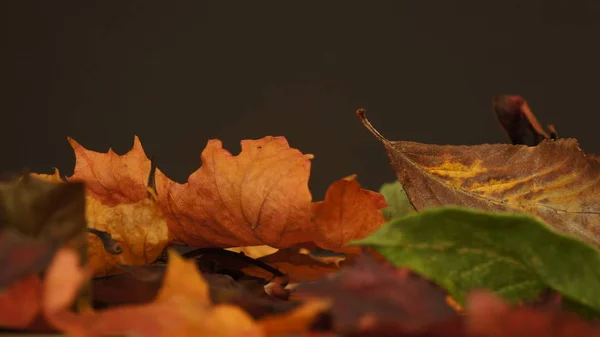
(513, 255)
(398, 203)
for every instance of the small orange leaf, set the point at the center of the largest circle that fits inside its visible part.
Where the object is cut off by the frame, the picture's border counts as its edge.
(347, 213)
(111, 178)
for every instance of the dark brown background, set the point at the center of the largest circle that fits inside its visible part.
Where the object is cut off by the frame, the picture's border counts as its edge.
(177, 73)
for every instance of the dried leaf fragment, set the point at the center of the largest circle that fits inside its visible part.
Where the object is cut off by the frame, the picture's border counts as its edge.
(519, 122)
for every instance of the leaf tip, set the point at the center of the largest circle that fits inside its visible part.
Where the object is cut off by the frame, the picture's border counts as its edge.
(74, 144)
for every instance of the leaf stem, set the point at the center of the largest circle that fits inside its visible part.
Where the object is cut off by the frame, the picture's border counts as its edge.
(110, 245)
(362, 115)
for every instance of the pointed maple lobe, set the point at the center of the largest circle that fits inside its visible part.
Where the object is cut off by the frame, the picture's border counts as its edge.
(182, 278)
(241, 200)
(112, 178)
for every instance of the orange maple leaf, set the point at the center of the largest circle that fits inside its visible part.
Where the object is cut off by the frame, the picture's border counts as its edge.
(243, 200)
(259, 197)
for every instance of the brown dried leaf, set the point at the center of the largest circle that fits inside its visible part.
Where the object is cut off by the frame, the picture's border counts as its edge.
(555, 180)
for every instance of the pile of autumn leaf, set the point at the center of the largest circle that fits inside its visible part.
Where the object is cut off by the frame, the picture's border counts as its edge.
(486, 240)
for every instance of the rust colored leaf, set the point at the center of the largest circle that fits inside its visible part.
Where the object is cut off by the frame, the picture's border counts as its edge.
(555, 180)
(20, 303)
(21, 256)
(488, 316)
(110, 178)
(519, 122)
(369, 294)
